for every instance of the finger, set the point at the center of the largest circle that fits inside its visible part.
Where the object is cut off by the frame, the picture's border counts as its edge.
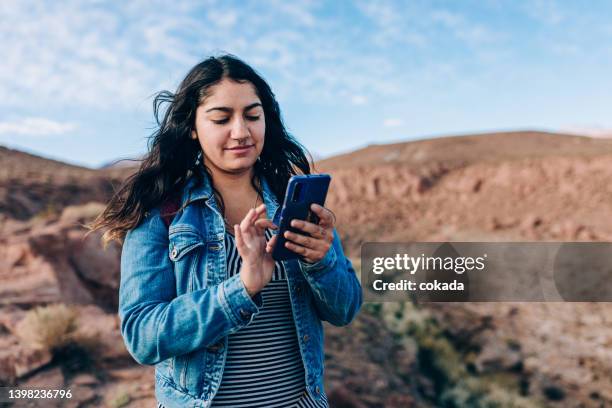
(265, 223)
(260, 230)
(271, 244)
(312, 229)
(252, 216)
(309, 254)
(308, 242)
(246, 220)
(247, 228)
(326, 217)
(238, 238)
(261, 209)
(256, 214)
(261, 224)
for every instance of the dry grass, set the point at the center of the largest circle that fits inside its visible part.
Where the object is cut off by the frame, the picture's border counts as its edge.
(120, 397)
(440, 360)
(48, 327)
(54, 328)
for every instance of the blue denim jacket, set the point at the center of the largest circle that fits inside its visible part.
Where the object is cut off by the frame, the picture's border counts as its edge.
(177, 305)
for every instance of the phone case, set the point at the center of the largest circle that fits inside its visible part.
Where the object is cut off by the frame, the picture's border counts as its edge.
(302, 191)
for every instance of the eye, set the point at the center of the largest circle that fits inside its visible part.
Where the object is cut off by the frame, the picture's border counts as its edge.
(253, 118)
(221, 121)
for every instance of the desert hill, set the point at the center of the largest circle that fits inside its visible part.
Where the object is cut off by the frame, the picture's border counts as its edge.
(31, 185)
(500, 186)
(517, 186)
(463, 150)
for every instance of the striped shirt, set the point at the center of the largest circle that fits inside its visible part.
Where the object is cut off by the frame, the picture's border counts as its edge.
(264, 367)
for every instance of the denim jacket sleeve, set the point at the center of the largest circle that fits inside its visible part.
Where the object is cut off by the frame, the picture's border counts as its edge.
(156, 323)
(337, 291)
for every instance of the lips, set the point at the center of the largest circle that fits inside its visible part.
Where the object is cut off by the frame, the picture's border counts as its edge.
(240, 148)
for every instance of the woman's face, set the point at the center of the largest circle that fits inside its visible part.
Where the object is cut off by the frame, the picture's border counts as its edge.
(230, 126)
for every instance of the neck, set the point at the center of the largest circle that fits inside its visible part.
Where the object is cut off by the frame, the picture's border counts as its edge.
(232, 183)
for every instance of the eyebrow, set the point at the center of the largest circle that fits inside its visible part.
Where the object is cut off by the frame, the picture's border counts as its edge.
(226, 109)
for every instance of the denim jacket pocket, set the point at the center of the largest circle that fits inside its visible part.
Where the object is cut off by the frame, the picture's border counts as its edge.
(182, 242)
(184, 252)
(179, 371)
(189, 370)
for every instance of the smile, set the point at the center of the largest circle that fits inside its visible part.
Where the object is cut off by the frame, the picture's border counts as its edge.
(240, 148)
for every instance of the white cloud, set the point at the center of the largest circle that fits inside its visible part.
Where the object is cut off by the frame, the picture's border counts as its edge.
(115, 55)
(447, 18)
(92, 55)
(545, 11)
(70, 54)
(417, 25)
(395, 24)
(470, 32)
(359, 100)
(299, 12)
(223, 18)
(393, 122)
(96, 56)
(35, 127)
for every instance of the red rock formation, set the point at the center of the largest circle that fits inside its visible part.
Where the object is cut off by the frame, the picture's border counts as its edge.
(510, 186)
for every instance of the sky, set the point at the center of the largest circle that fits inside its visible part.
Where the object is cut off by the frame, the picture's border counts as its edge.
(77, 78)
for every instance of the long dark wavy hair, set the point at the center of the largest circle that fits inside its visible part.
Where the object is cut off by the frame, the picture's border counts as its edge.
(173, 156)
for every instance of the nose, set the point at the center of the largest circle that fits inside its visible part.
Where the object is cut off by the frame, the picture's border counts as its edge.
(240, 130)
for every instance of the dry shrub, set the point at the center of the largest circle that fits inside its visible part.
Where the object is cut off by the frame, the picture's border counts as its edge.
(49, 327)
(441, 361)
(119, 397)
(55, 327)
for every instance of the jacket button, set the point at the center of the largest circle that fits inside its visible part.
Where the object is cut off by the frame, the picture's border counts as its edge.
(317, 389)
(305, 338)
(297, 289)
(244, 314)
(174, 253)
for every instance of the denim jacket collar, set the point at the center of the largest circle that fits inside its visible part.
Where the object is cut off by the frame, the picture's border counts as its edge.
(203, 191)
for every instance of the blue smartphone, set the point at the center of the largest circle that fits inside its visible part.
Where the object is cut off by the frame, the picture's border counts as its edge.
(302, 191)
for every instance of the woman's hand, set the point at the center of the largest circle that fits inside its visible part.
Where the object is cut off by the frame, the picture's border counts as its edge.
(314, 247)
(257, 263)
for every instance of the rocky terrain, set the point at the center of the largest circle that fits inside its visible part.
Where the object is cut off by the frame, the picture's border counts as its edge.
(520, 186)
(32, 186)
(508, 186)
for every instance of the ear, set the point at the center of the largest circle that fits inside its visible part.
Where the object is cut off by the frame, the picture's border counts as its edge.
(194, 135)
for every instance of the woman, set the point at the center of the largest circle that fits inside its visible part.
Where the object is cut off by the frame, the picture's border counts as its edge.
(201, 297)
